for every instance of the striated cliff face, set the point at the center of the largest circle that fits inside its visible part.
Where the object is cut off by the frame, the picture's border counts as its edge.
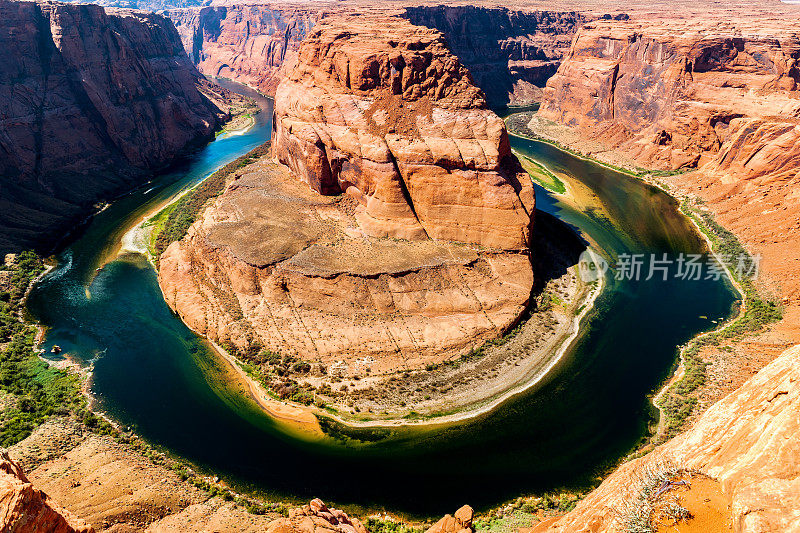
(383, 111)
(396, 226)
(670, 96)
(722, 98)
(24, 509)
(511, 54)
(90, 104)
(246, 43)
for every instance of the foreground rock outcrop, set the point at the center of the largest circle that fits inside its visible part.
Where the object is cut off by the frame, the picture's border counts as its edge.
(747, 441)
(91, 103)
(246, 43)
(316, 517)
(25, 509)
(395, 235)
(460, 522)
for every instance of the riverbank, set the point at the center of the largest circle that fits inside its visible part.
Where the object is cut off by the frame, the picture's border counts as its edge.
(675, 400)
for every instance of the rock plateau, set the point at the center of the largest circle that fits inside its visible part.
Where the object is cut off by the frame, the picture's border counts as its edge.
(393, 231)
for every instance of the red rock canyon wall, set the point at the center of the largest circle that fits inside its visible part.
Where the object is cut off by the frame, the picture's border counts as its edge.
(90, 104)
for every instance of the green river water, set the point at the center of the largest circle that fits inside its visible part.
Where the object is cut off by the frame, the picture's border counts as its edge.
(154, 375)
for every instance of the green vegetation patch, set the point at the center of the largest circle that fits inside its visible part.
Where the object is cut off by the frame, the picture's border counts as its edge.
(173, 222)
(541, 175)
(40, 391)
(378, 525)
(679, 401)
(526, 512)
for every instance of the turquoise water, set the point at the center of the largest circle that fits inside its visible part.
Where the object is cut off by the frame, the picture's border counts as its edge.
(151, 373)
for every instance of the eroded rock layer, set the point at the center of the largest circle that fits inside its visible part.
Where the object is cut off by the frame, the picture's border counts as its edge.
(246, 43)
(272, 263)
(695, 93)
(671, 94)
(25, 509)
(382, 110)
(747, 441)
(90, 104)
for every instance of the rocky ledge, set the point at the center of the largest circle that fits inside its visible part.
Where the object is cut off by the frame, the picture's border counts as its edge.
(24, 508)
(392, 232)
(91, 103)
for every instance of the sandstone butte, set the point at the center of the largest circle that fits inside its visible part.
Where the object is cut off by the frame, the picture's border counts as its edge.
(394, 226)
(91, 103)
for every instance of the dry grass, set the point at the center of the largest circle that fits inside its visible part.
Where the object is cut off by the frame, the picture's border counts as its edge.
(650, 497)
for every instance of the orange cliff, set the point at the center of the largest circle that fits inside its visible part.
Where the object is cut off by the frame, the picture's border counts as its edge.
(510, 53)
(246, 43)
(747, 442)
(716, 95)
(395, 235)
(91, 104)
(25, 509)
(384, 112)
(723, 98)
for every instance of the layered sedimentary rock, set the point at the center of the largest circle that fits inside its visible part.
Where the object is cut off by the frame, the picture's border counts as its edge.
(747, 441)
(246, 43)
(382, 110)
(90, 104)
(395, 235)
(671, 94)
(696, 93)
(25, 509)
(272, 263)
(510, 53)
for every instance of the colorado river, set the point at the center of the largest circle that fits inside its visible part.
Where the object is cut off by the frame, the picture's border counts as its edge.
(154, 375)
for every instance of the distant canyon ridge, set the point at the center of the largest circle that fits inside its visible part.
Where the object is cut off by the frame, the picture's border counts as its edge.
(510, 54)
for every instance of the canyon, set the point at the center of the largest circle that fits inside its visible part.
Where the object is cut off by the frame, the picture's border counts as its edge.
(246, 43)
(92, 104)
(393, 204)
(717, 117)
(393, 225)
(713, 107)
(510, 54)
